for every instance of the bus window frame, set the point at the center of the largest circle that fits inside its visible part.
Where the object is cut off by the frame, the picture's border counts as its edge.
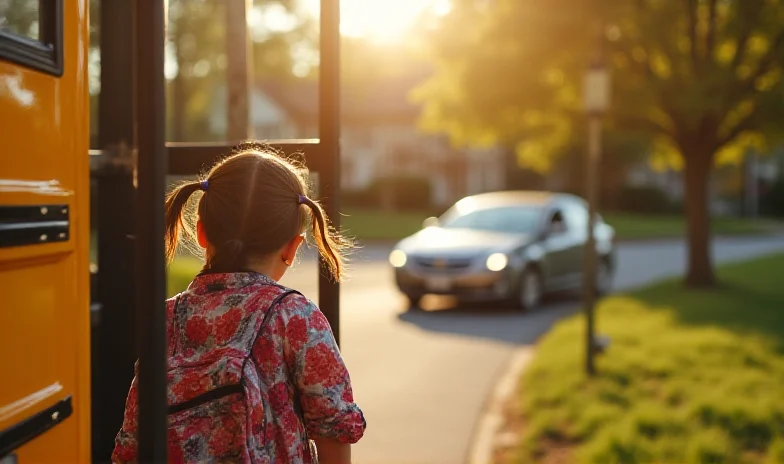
(44, 54)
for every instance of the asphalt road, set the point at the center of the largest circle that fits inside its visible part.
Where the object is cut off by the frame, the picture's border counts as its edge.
(422, 378)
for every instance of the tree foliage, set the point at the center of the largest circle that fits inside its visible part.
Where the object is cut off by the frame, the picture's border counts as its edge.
(511, 70)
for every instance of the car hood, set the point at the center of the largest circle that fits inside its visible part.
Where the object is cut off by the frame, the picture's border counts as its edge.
(437, 240)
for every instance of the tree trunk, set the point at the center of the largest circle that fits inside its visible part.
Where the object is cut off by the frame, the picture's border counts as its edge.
(700, 273)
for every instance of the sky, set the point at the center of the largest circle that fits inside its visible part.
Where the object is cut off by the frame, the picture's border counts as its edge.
(382, 22)
(379, 20)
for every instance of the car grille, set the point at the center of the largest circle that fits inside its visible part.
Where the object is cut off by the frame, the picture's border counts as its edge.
(443, 263)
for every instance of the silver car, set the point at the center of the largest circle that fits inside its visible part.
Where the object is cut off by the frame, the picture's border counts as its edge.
(512, 247)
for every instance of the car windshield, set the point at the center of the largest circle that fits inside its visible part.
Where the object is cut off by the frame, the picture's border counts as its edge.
(515, 219)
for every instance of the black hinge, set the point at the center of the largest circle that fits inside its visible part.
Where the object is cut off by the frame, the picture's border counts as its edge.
(22, 432)
(34, 224)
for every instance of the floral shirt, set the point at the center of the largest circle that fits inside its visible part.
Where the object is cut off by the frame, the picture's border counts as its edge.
(302, 376)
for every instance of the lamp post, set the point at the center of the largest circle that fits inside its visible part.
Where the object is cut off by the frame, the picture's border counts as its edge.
(597, 101)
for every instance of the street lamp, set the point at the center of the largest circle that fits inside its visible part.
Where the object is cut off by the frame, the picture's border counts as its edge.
(597, 101)
(597, 88)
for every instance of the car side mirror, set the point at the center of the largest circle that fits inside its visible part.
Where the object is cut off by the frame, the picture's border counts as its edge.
(430, 222)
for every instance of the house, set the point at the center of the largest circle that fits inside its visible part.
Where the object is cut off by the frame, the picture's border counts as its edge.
(379, 135)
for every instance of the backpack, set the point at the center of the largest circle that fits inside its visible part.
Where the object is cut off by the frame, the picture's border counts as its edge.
(216, 406)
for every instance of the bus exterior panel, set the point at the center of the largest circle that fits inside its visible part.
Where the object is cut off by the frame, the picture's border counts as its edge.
(44, 239)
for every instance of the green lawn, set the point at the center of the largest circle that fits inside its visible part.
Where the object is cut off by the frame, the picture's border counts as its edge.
(690, 377)
(378, 225)
(180, 273)
(368, 225)
(636, 226)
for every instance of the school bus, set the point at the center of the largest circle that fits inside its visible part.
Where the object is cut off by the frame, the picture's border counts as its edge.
(50, 410)
(44, 235)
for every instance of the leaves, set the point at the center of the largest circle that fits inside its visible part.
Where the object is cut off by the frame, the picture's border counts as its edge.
(684, 73)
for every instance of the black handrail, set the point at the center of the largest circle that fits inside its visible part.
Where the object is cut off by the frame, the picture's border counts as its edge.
(328, 164)
(113, 343)
(151, 273)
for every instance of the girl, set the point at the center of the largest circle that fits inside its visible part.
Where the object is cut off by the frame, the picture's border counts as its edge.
(254, 371)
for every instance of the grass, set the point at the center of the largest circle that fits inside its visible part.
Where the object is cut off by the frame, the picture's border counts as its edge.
(369, 225)
(379, 225)
(180, 273)
(690, 377)
(636, 226)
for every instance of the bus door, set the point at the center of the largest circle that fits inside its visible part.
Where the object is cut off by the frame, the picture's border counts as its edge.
(44, 232)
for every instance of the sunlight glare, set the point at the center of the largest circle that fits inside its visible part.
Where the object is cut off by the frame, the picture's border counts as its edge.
(381, 20)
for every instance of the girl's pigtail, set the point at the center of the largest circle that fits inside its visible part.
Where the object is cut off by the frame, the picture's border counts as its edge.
(175, 203)
(330, 244)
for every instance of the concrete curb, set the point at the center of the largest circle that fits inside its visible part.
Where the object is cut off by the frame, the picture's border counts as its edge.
(482, 445)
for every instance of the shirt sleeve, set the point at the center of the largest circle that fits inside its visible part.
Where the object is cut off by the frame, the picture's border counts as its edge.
(125, 445)
(320, 376)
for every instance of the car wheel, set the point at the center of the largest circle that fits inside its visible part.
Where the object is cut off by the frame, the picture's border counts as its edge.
(604, 278)
(530, 290)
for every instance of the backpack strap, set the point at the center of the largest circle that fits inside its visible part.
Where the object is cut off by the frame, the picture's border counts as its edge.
(173, 348)
(278, 299)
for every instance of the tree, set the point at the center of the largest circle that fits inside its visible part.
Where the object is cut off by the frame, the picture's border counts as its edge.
(701, 79)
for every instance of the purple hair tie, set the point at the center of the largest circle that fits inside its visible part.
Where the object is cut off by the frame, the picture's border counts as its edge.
(204, 185)
(301, 199)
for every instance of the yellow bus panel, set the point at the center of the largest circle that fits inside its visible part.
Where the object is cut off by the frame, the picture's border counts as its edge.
(44, 242)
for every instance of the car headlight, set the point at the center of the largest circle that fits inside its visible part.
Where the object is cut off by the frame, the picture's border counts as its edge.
(497, 262)
(397, 258)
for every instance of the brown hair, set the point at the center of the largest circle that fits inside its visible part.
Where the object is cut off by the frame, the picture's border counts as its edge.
(254, 202)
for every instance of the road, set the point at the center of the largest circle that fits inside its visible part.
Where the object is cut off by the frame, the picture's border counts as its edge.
(422, 378)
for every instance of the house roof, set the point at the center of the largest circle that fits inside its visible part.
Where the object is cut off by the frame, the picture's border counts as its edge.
(384, 99)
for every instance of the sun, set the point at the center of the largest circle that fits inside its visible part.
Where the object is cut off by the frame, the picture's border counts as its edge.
(379, 20)
(383, 21)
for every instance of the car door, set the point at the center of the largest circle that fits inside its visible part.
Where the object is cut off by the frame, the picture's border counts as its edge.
(576, 216)
(557, 244)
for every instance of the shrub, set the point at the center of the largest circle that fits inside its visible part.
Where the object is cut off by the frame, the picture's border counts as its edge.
(772, 202)
(402, 192)
(361, 199)
(647, 200)
(393, 192)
